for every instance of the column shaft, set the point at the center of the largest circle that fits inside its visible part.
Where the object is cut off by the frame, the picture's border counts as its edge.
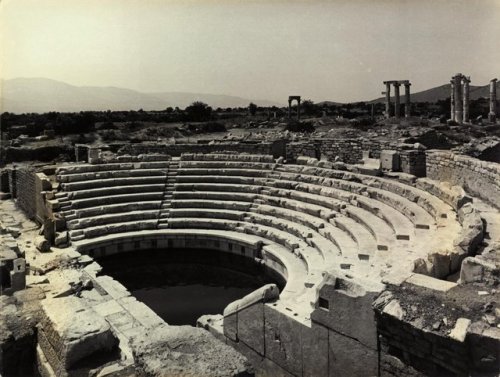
(397, 104)
(452, 100)
(387, 100)
(492, 116)
(458, 98)
(407, 101)
(466, 81)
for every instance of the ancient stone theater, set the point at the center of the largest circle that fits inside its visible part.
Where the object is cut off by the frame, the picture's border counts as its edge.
(381, 258)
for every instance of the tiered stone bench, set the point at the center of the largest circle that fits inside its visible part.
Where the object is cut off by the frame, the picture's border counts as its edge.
(336, 237)
(326, 216)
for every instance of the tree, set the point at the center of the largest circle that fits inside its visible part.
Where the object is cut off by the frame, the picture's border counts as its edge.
(252, 108)
(198, 112)
(308, 107)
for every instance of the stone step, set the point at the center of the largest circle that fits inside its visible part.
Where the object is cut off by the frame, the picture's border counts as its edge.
(163, 226)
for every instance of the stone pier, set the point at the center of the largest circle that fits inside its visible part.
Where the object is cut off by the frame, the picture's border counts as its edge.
(492, 116)
(290, 100)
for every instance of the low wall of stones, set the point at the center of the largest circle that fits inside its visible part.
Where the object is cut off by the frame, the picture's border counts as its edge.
(350, 151)
(409, 346)
(44, 154)
(275, 148)
(25, 190)
(25, 185)
(333, 342)
(480, 178)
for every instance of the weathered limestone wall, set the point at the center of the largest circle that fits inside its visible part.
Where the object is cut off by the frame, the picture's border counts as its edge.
(26, 190)
(300, 148)
(480, 178)
(411, 347)
(413, 162)
(4, 181)
(333, 342)
(42, 184)
(276, 148)
(422, 349)
(46, 153)
(350, 151)
(25, 185)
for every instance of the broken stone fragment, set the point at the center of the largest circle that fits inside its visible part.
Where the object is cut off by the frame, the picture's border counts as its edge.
(459, 332)
(61, 239)
(42, 244)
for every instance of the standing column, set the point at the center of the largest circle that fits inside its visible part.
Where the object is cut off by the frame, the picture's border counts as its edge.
(407, 100)
(492, 116)
(289, 109)
(452, 100)
(466, 81)
(387, 99)
(298, 109)
(397, 104)
(457, 83)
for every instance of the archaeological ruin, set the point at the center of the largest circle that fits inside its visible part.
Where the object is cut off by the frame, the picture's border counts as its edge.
(460, 98)
(378, 245)
(290, 101)
(397, 101)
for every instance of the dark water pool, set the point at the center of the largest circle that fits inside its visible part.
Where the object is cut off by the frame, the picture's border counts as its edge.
(182, 285)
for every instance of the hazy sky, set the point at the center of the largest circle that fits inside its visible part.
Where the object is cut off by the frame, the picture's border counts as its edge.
(324, 50)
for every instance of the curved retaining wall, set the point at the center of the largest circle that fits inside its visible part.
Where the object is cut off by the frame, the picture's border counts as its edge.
(480, 178)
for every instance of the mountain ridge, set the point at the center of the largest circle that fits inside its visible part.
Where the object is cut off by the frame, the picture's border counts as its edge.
(21, 95)
(38, 94)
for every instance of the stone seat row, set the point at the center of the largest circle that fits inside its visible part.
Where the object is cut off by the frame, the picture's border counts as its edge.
(324, 242)
(107, 174)
(382, 237)
(79, 203)
(404, 189)
(297, 291)
(419, 211)
(312, 203)
(415, 194)
(109, 187)
(67, 170)
(69, 173)
(356, 205)
(433, 204)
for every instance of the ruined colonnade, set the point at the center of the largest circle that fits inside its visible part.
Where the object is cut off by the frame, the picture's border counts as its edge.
(460, 98)
(397, 102)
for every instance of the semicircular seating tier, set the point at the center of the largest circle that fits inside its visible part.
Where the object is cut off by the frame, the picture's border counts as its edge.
(299, 220)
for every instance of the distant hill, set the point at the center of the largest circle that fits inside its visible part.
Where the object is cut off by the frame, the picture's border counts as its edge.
(329, 103)
(441, 93)
(38, 95)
